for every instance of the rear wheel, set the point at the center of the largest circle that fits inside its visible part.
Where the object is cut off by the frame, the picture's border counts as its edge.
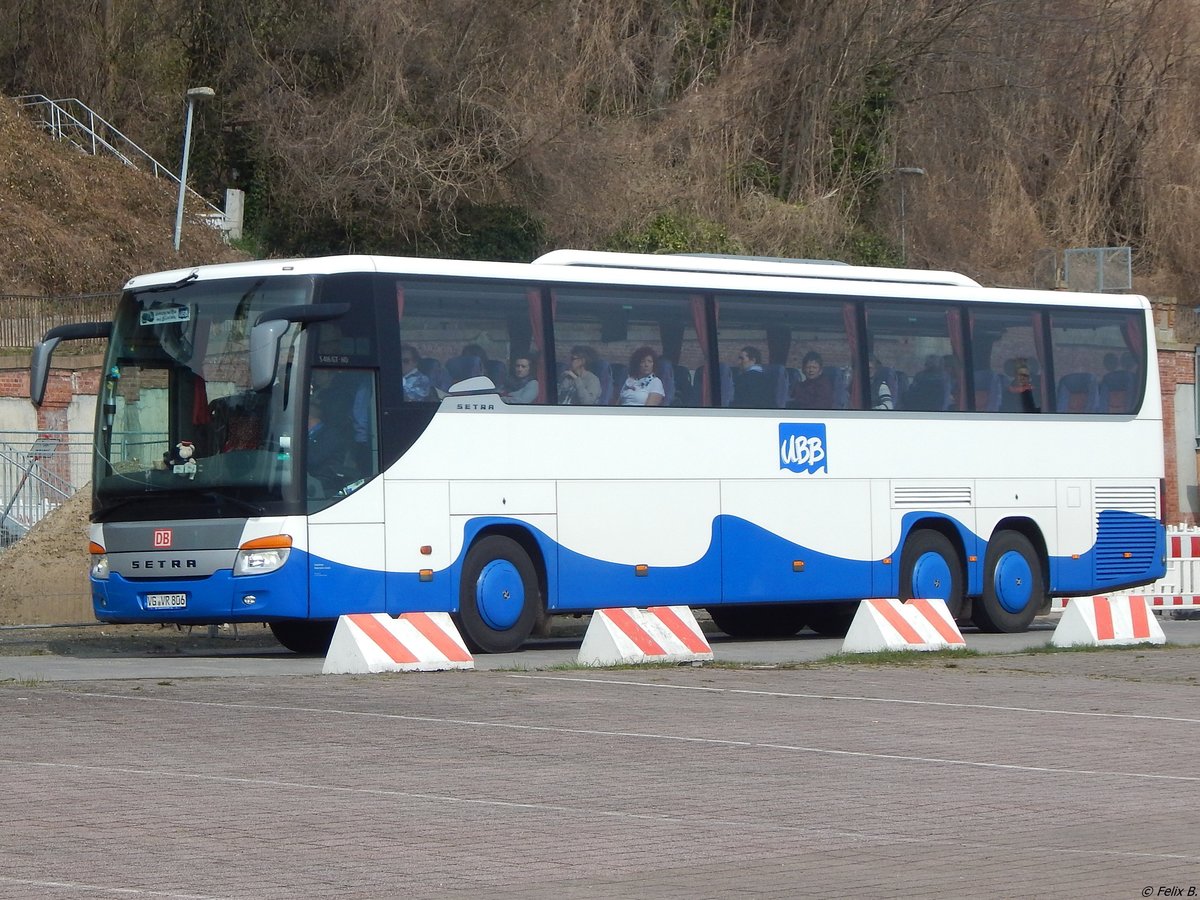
(304, 636)
(500, 599)
(1013, 587)
(930, 570)
(766, 620)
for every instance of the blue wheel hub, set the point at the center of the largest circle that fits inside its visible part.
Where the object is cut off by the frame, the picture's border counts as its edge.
(499, 594)
(1013, 582)
(931, 578)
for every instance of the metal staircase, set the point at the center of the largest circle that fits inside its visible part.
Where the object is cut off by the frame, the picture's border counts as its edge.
(36, 481)
(71, 120)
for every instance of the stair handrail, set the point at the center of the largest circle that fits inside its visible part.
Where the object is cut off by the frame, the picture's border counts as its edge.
(59, 112)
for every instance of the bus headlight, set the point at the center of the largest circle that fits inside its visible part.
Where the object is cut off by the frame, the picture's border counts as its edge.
(262, 555)
(99, 561)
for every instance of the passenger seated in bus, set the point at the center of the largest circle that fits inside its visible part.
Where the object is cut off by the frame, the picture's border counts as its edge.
(348, 396)
(930, 387)
(417, 385)
(749, 381)
(522, 386)
(816, 390)
(880, 389)
(236, 422)
(642, 387)
(578, 385)
(478, 352)
(327, 448)
(1018, 396)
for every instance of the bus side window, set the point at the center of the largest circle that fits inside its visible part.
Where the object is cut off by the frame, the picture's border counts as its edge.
(598, 331)
(1096, 370)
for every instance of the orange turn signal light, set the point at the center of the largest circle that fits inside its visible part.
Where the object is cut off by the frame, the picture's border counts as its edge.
(93, 547)
(271, 542)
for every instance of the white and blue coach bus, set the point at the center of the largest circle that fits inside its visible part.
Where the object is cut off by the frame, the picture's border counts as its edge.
(289, 441)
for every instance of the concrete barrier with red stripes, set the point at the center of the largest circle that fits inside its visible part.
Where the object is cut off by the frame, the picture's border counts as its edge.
(1103, 621)
(660, 634)
(416, 642)
(1178, 589)
(917, 624)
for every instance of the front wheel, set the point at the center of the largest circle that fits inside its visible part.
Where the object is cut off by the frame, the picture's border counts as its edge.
(766, 620)
(304, 636)
(930, 570)
(500, 599)
(1013, 587)
(831, 619)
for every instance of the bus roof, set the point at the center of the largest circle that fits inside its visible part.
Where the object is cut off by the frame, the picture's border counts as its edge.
(694, 273)
(751, 265)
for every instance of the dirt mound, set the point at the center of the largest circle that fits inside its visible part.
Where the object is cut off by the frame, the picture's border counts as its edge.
(43, 576)
(74, 223)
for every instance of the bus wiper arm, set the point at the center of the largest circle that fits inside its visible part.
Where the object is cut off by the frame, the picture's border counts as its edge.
(173, 286)
(114, 505)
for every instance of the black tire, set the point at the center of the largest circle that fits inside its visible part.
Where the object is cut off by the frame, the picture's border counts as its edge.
(930, 569)
(500, 597)
(1014, 588)
(766, 620)
(832, 619)
(304, 636)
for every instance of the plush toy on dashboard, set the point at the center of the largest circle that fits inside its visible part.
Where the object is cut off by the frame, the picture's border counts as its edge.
(180, 459)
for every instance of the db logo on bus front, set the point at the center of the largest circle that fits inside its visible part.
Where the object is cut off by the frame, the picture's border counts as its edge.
(802, 448)
(162, 538)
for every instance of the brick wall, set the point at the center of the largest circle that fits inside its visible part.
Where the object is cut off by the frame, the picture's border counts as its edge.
(1176, 366)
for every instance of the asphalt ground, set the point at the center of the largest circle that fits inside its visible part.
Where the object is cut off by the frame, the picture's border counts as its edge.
(1014, 774)
(107, 652)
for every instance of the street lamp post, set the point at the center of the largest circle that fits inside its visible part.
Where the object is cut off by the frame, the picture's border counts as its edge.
(193, 94)
(903, 172)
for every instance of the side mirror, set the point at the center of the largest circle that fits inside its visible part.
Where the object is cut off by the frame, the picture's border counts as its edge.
(271, 326)
(264, 352)
(39, 362)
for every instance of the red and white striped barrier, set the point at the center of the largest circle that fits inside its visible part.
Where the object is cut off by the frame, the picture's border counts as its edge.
(659, 634)
(1105, 621)
(892, 625)
(1157, 602)
(416, 642)
(1179, 588)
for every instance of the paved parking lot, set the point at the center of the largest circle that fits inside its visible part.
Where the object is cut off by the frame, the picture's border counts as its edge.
(1065, 774)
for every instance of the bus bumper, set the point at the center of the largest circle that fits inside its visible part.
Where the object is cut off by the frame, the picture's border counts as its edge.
(219, 597)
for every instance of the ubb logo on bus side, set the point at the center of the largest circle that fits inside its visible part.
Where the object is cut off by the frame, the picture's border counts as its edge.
(802, 448)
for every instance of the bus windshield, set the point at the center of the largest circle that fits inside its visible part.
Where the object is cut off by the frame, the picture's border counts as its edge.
(177, 417)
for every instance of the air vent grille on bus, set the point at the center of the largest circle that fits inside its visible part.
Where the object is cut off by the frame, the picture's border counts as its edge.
(1126, 533)
(930, 496)
(1141, 500)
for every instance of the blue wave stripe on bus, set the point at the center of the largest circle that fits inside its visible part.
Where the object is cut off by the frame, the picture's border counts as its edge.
(756, 566)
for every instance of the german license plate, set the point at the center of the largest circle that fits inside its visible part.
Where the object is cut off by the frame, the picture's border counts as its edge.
(166, 601)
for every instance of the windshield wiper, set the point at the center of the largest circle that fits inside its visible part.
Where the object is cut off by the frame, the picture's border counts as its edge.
(115, 505)
(216, 497)
(173, 286)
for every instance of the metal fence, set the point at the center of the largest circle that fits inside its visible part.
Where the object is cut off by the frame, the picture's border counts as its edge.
(38, 473)
(24, 318)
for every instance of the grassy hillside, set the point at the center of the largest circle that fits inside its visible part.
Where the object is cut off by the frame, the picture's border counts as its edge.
(74, 223)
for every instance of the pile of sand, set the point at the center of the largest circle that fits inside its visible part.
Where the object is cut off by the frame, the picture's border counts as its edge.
(43, 576)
